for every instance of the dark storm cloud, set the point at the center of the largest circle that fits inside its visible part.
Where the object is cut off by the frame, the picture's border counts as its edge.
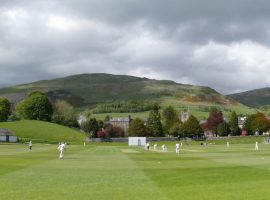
(206, 42)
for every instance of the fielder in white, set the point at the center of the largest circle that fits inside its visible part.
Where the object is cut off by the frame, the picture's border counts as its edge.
(155, 146)
(148, 145)
(61, 148)
(177, 148)
(30, 145)
(256, 146)
(228, 144)
(163, 148)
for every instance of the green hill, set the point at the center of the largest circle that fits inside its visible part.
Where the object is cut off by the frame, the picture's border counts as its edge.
(254, 98)
(39, 131)
(89, 90)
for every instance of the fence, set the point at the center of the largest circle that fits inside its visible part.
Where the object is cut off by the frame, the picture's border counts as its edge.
(149, 139)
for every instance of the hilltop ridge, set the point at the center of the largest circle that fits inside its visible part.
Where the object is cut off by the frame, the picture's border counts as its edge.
(90, 89)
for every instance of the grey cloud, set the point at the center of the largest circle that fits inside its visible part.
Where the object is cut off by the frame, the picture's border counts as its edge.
(155, 38)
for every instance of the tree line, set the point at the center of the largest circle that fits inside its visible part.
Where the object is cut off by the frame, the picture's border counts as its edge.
(123, 107)
(169, 123)
(36, 106)
(166, 123)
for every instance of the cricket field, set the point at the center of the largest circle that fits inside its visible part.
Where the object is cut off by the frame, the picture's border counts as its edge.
(116, 171)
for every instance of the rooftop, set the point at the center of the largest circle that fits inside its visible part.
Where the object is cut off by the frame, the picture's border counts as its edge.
(4, 131)
(120, 120)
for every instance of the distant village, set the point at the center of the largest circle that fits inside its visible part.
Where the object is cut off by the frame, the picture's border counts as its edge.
(124, 123)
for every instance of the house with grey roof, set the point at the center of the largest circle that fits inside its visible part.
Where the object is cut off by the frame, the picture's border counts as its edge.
(123, 123)
(7, 136)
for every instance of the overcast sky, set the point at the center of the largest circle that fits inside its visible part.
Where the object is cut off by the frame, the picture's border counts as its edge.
(224, 44)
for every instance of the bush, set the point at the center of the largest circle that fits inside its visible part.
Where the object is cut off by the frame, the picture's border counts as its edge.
(91, 127)
(114, 131)
(14, 117)
(101, 134)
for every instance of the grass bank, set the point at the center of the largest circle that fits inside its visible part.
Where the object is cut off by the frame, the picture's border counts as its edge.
(43, 132)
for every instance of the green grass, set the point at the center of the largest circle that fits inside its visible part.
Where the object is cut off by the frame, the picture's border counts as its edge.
(39, 131)
(195, 109)
(142, 115)
(238, 140)
(201, 109)
(119, 172)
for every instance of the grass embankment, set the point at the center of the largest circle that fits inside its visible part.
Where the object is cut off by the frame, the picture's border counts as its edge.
(120, 172)
(45, 132)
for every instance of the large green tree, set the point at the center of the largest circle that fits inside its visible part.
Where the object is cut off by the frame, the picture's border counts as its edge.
(175, 130)
(4, 109)
(233, 122)
(170, 117)
(90, 126)
(154, 126)
(137, 128)
(223, 129)
(191, 127)
(257, 123)
(35, 106)
(64, 114)
(248, 124)
(260, 123)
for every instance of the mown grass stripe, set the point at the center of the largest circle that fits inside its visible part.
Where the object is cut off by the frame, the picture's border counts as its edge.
(94, 173)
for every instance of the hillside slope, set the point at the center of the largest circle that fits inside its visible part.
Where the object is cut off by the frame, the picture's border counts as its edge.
(39, 131)
(254, 98)
(90, 89)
